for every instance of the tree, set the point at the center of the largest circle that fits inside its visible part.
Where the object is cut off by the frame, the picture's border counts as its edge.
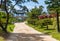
(33, 14)
(8, 7)
(55, 6)
(36, 12)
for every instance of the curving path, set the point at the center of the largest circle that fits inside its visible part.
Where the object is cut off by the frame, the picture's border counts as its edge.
(22, 32)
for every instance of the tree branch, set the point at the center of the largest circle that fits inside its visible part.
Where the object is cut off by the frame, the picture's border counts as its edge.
(14, 5)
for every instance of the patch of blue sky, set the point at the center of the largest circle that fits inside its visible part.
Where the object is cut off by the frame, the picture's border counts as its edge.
(31, 5)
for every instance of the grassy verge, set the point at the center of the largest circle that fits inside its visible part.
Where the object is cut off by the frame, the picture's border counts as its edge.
(1, 39)
(9, 29)
(52, 32)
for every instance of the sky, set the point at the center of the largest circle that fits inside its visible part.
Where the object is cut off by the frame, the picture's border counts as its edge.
(31, 5)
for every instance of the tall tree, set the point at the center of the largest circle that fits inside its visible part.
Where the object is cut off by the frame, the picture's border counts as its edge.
(55, 6)
(33, 14)
(37, 11)
(8, 7)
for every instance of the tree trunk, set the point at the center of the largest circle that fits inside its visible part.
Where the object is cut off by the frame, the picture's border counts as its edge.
(47, 27)
(3, 28)
(7, 17)
(58, 21)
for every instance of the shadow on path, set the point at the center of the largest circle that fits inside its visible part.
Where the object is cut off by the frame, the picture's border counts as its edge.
(24, 37)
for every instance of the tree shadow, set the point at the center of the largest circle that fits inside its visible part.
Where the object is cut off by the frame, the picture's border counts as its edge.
(49, 29)
(43, 27)
(24, 37)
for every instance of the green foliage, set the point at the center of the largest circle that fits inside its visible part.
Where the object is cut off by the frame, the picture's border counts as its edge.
(47, 22)
(53, 5)
(31, 21)
(52, 30)
(10, 28)
(35, 12)
(33, 15)
(38, 22)
(8, 7)
(3, 21)
(3, 17)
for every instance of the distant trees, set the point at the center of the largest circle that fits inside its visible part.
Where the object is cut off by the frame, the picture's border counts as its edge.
(37, 17)
(33, 15)
(35, 12)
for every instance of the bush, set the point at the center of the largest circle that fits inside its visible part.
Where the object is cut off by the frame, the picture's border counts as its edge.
(48, 22)
(32, 21)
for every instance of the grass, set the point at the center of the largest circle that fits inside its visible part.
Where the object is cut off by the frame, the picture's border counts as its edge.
(9, 29)
(1, 39)
(52, 32)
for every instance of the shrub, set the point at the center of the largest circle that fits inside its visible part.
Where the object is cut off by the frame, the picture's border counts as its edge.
(32, 21)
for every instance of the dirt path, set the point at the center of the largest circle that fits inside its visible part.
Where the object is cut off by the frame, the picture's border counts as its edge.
(22, 32)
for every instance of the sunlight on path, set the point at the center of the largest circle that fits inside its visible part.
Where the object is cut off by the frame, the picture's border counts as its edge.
(23, 28)
(22, 32)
